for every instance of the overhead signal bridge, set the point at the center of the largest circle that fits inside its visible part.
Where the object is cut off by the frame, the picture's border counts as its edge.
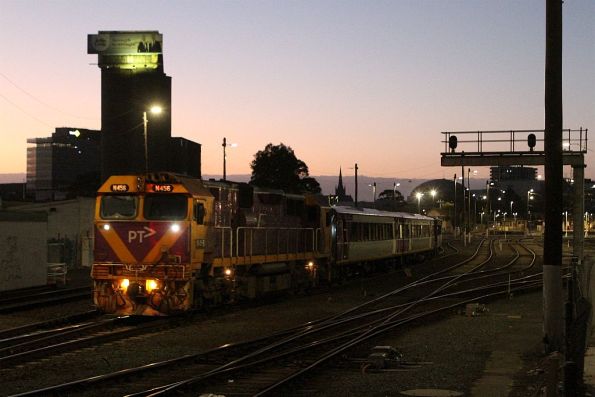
(521, 147)
(505, 148)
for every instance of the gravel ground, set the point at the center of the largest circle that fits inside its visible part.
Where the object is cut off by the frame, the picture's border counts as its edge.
(456, 348)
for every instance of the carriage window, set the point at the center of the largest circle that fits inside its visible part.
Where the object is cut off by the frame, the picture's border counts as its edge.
(354, 232)
(118, 207)
(165, 207)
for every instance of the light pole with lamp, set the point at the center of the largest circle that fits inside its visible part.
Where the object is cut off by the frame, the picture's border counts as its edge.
(225, 144)
(489, 204)
(154, 110)
(419, 195)
(395, 184)
(373, 186)
(529, 198)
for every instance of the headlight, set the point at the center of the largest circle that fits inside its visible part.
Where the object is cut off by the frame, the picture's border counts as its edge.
(175, 228)
(124, 283)
(106, 227)
(228, 272)
(150, 285)
(310, 265)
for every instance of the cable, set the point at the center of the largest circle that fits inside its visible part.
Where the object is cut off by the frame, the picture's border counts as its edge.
(25, 112)
(42, 102)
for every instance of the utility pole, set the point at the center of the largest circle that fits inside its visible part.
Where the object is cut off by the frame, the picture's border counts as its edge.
(552, 248)
(469, 205)
(224, 159)
(454, 218)
(463, 224)
(356, 185)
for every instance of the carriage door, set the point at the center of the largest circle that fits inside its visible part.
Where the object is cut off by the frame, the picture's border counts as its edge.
(400, 236)
(337, 237)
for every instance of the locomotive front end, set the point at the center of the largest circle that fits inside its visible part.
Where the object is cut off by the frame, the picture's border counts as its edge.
(142, 247)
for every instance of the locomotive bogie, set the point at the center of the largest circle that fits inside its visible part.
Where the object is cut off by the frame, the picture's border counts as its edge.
(142, 297)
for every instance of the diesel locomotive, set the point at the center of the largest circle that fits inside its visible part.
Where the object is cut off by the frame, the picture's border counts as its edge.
(166, 243)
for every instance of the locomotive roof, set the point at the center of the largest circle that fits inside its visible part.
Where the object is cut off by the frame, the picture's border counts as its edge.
(132, 182)
(374, 212)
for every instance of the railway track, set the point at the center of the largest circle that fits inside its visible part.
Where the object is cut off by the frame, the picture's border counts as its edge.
(281, 358)
(92, 330)
(45, 326)
(28, 299)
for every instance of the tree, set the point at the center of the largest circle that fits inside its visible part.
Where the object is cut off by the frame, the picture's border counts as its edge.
(390, 200)
(390, 194)
(278, 167)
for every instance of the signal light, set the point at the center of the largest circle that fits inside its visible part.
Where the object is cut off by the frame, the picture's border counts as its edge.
(452, 143)
(531, 141)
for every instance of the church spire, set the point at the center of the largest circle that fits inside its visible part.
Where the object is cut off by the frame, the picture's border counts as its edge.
(340, 189)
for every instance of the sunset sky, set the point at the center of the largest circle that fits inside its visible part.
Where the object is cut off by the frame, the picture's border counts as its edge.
(341, 82)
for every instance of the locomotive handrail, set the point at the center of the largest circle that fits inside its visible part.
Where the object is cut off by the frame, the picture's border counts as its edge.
(317, 240)
(223, 230)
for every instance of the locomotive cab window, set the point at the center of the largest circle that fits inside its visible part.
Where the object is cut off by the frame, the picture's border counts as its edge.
(118, 207)
(199, 212)
(165, 207)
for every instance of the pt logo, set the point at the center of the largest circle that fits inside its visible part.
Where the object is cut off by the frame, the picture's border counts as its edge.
(140, 235)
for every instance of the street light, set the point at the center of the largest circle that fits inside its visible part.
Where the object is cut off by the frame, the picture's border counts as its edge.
(373, 186)
(395, 184)
(489, 203)
(225, 156)
(529, 198)
(419, 196)
(153, 110)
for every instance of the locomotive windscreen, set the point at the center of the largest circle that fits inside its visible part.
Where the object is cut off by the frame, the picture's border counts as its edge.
(118, 207)
(165, 207)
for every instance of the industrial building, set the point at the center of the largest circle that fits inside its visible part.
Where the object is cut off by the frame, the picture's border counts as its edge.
(59, 166)
(136, 107)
